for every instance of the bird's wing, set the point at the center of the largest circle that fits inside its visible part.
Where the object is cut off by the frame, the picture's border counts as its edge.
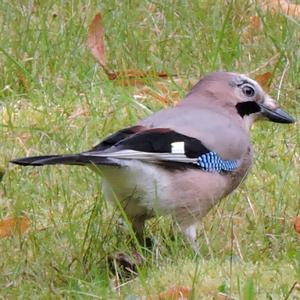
(160, 145)
(163, 145)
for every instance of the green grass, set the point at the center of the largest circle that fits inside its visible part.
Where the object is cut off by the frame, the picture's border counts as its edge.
(248, 244)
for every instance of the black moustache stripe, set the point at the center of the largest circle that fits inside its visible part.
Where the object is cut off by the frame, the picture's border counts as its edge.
(247, 108)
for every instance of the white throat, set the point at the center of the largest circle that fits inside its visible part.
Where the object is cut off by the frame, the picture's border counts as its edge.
(249, 120)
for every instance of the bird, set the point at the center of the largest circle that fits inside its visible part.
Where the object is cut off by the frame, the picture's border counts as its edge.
(181, 160)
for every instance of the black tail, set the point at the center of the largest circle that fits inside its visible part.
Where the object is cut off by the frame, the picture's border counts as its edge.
(68, 159)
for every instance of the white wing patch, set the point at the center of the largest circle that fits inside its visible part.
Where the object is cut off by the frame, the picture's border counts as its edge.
(177, 147)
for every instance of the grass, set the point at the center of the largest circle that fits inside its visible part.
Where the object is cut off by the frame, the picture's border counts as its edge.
(249, 247)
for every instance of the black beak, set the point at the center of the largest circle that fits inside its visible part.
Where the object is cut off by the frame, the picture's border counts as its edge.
(276, 115)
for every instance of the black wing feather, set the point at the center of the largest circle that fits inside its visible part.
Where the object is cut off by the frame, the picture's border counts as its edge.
(117, 137)
(160, 140)
(68, 159)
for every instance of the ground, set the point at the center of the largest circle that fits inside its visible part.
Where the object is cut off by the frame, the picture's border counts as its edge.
(55, 98)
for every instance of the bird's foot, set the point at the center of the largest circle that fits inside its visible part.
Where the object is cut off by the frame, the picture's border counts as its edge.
(125, 265)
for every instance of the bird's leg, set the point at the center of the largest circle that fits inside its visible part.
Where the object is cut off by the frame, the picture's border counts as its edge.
(126, 264)
(138, 226)
(190, 234)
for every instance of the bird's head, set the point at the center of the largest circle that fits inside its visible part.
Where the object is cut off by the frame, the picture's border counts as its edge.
(242, 95)
(252, 103)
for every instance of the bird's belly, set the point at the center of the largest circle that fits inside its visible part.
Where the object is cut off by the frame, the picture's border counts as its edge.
(138, 187)
(194, 193)
(147, 190)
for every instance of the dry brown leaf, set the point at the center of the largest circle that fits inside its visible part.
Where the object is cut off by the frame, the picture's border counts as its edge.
(254, 27)
(136, 74)
(255, 22)
(136, 82)
(153, 94)
(281, 6)
(162, 87)
(162, 94)
(264, 80)
(96, 41)
(97, 46)
(297, 224)
(22, 81)
(128, 77)
(175, 293)
(11, 226)
(135, 78)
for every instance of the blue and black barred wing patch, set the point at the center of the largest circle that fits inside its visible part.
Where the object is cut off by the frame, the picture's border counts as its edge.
(212, 162)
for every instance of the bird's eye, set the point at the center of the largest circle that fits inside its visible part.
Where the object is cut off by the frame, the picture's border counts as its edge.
(248, 90)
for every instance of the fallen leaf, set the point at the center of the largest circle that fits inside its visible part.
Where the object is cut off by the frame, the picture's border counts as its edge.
(12, 226)
(130, 77)
(254, 26)
(280, 6)
(96, 41)
(133, 77)
(97, 46)
(255, 22)
(175, 293)
(131, 73)
(162, 94)
(264, 80)
(22, 81)
(297, 224)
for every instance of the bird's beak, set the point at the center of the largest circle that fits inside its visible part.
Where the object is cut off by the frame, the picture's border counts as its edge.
(273, 113)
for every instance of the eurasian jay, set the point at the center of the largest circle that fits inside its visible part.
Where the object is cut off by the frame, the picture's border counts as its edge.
(180, 160)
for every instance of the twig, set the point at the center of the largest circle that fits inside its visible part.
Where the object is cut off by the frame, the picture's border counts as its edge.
(290, 291)
(124, 283)
(251, 206)
(264, 64)
(282, 77)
